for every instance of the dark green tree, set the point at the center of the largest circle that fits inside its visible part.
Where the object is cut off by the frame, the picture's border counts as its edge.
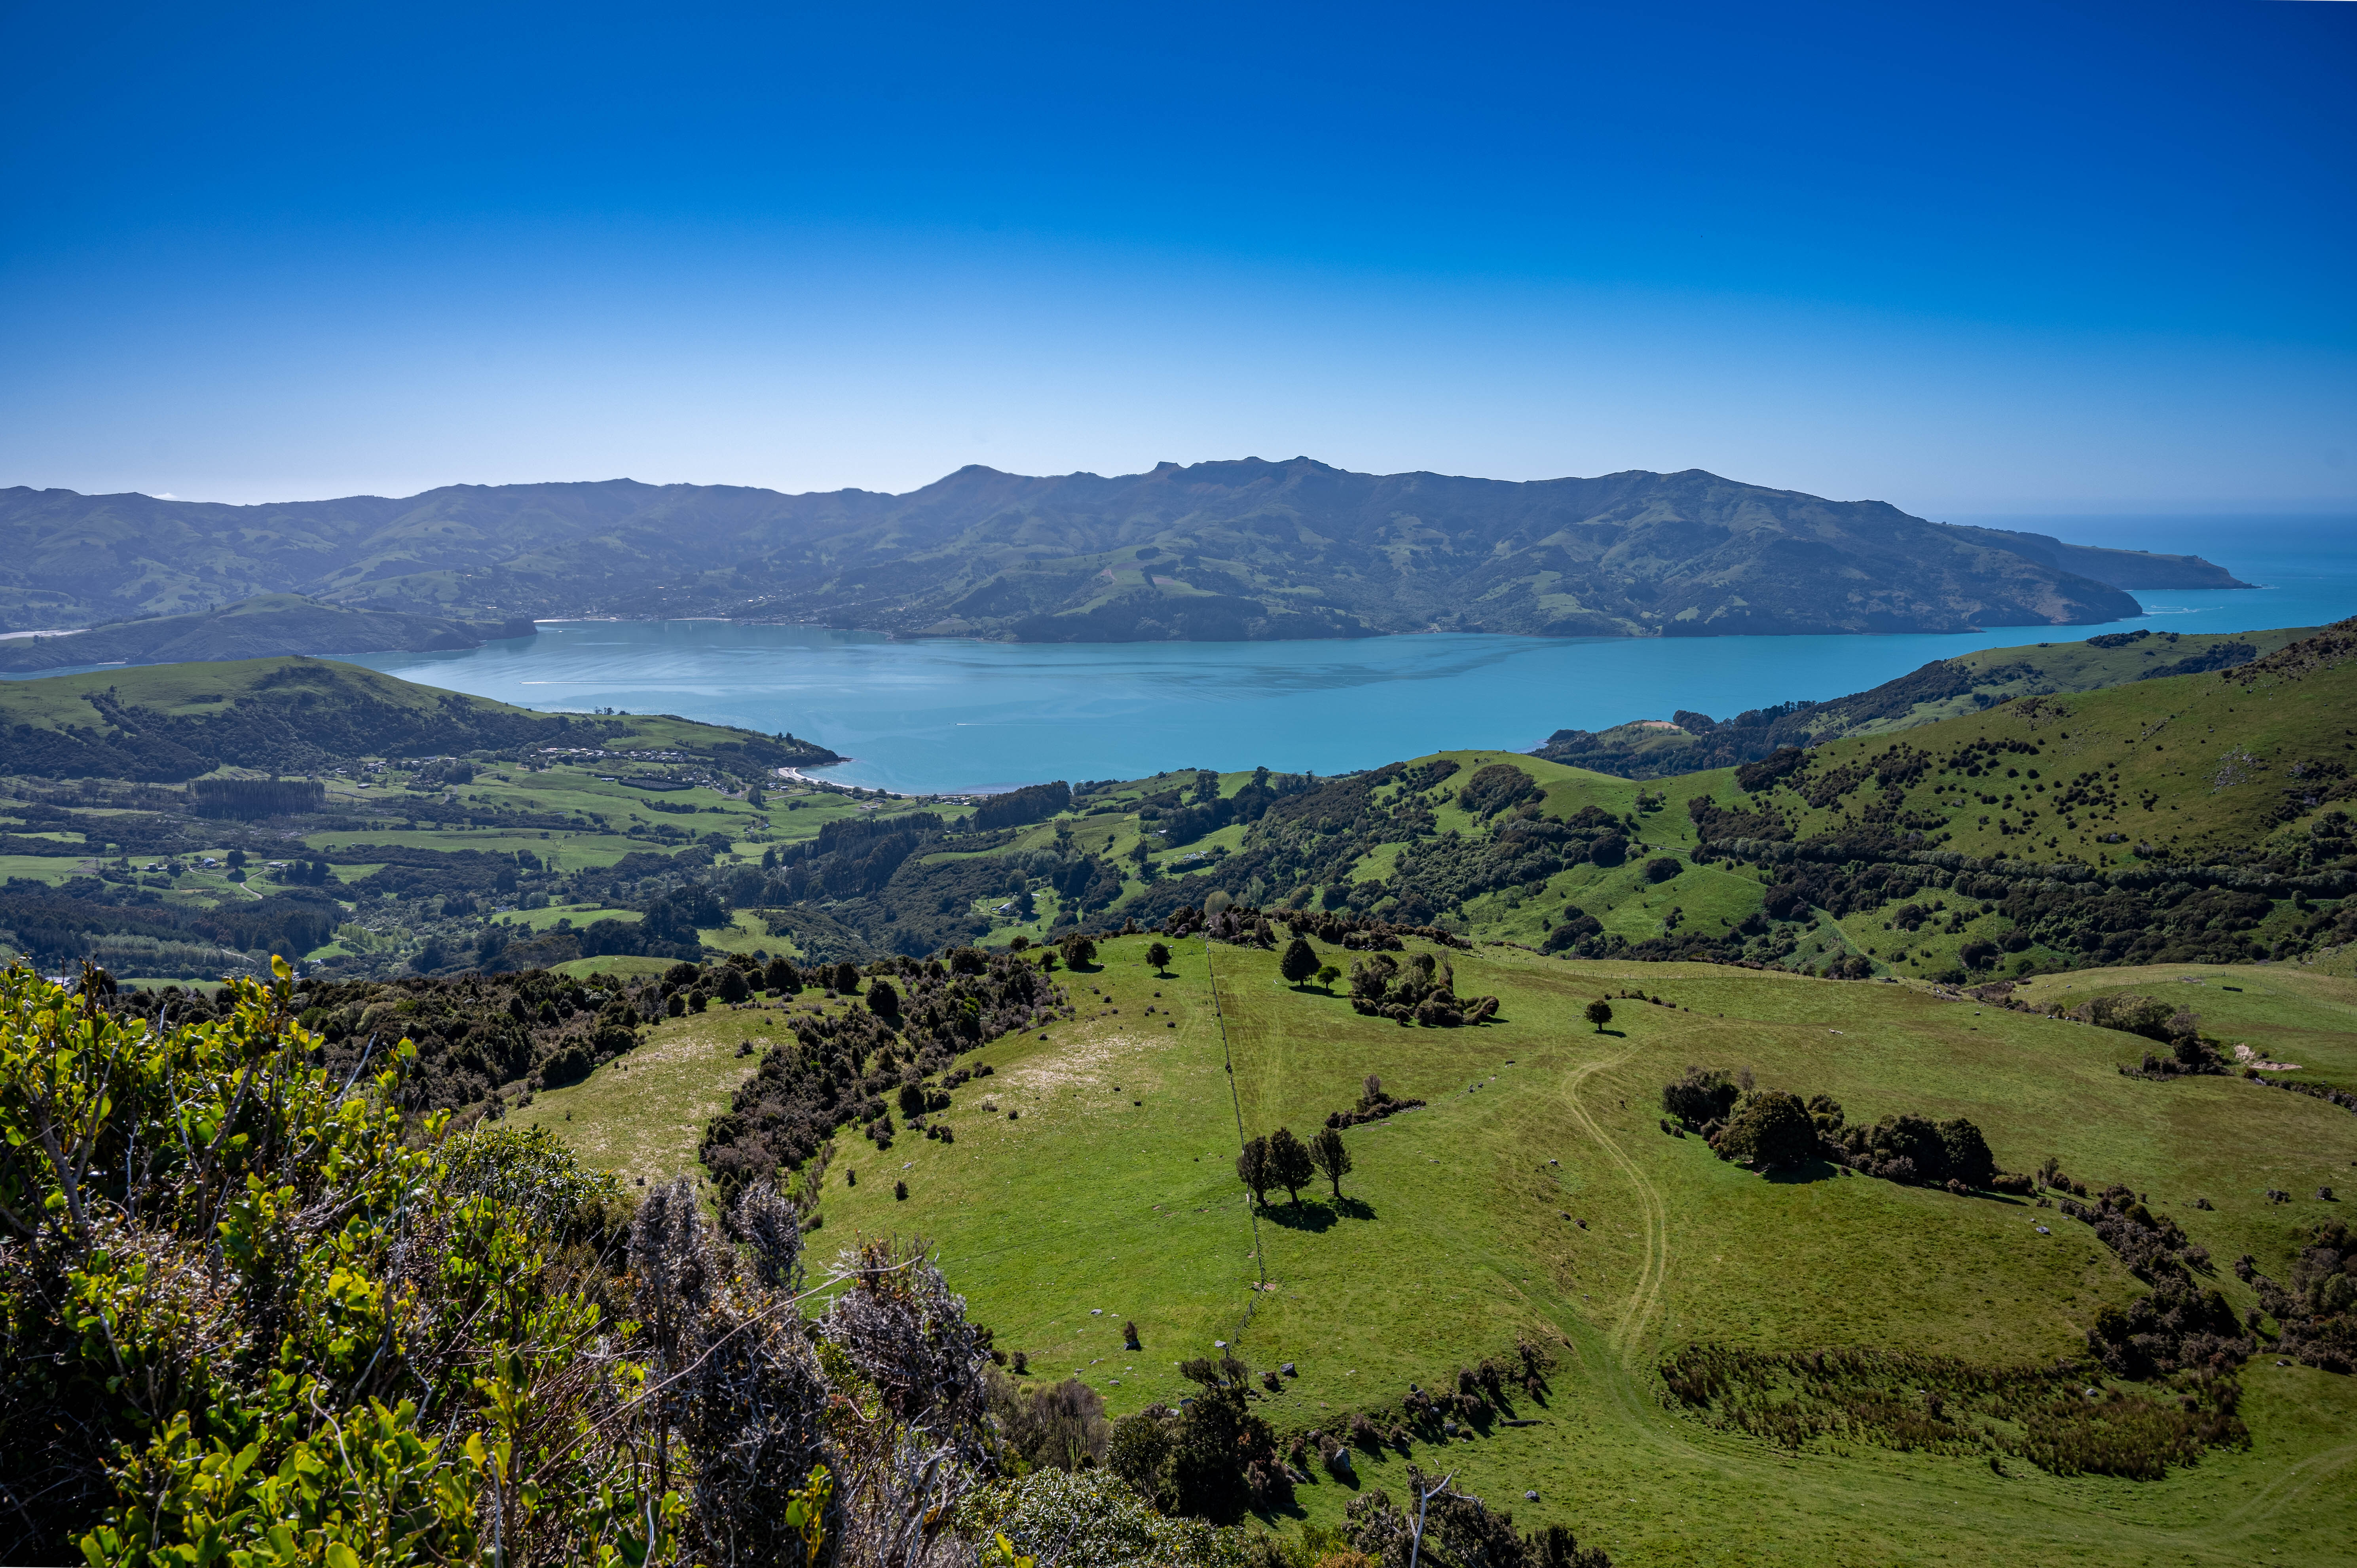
(1331, 1156)
(1252, 1169)
(847, 977)
(1159, 957)
(1298, 962)
(1969, 1160)
(1288, 1162)
(883, 999)
(1771, 1129)
(781, 975)
(1699, 1098)
(1078, 950)
(1599, 1012)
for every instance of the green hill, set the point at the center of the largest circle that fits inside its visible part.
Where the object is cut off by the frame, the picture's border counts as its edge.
(1217, 551)
(1945, 688)
(1536, 1199)
(172, 722)
(1543, 1279)
(265, 627)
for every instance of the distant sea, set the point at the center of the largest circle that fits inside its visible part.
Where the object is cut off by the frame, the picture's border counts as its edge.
(947, 715)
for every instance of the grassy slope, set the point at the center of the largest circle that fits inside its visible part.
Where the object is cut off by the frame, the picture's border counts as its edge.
(2000, 675)
(266, 626)
(2047, 668)
(643, 1114)
(56, 701)
(2184, 742)
(1454, 1240)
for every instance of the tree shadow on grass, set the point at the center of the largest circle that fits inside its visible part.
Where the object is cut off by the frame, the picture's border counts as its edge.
(1806, 1171)
(1311, 1217)
(1318, 1215)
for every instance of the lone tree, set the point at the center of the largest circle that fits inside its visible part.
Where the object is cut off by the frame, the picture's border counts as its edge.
(1288, 1162)
(1599, 1012)
(1252, 1168)
(1299, 962)
(1327, 975)
(1159, 957)
(1331, 1156)
(1078, 950)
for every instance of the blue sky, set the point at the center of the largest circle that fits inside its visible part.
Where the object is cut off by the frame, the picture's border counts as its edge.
(1969, 259)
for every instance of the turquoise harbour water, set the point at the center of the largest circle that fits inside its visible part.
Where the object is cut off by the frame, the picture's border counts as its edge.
(948, 716)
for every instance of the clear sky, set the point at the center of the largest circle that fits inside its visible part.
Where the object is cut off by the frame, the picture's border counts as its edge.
(1972, 258)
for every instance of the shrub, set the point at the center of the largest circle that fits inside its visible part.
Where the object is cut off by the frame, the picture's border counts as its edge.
(1662, 868)
(1769, 1131)
(362, 1302)
(1101, 1518)
(1059, 1425)
(1697, 1098)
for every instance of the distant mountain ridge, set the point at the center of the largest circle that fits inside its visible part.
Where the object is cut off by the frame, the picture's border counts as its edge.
(261, 627)
(1218, 550)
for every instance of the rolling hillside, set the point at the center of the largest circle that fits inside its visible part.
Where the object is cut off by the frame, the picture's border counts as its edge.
(169, 723)
(1217, 551)
(266, 627)
(1945, 688)
(1536, 1199)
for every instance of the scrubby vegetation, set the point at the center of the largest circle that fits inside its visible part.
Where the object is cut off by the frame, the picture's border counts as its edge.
(1771, 1129)
(254, 1309)
(2048, 1416)
(1441, 1524)
(2318, 1312)
(1213, 1457)
(848, 1067)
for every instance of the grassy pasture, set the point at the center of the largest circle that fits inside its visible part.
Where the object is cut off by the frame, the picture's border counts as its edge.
(1452, 1239)
(643, 1114)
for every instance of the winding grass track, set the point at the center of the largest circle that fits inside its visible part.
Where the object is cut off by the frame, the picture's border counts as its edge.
(1114, 1198)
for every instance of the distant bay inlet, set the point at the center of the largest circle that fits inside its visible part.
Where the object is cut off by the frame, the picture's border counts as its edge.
(949, 714)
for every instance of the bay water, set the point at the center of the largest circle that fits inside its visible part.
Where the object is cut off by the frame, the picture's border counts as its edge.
(941, 715)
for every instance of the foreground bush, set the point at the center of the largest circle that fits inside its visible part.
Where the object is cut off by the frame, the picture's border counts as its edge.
(255, 1311)
(239, 1312)
(1091, 1518)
